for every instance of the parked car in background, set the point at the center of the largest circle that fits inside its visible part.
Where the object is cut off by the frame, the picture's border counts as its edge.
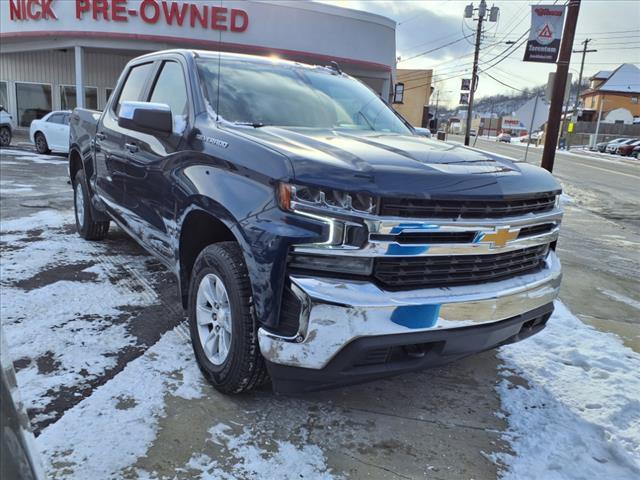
(626, 148)
(636, 152)
(535, 136)
(472, 132)
(504, 137)
(602, 146)
(613, 146)
(425, 132)
(6, 130)
(51, 132)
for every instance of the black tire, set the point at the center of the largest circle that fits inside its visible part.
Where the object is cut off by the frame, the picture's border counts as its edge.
(41, 143)
(244, 368)
(5, 136)
(87, 227)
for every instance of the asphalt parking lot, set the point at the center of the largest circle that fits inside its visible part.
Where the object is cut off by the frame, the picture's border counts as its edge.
(104, 363)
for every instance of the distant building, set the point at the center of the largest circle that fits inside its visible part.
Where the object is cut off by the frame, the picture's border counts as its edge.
(524, 121)
(411, 95)
(617, 92)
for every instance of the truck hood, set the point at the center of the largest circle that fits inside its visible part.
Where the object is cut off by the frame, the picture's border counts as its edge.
(400, 165)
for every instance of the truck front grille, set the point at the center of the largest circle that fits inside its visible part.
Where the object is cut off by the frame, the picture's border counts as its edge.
(422, 272)
(432, 208)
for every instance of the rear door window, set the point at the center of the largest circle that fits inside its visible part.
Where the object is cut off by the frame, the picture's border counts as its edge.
(134, 84)
(55, 118)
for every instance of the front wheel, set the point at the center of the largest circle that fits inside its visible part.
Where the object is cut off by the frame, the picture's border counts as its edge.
(86, 226)
(41, 143)
(5, 136)
(223, 332)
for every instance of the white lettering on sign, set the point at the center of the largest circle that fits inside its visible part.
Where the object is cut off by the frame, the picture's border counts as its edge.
(195, 14)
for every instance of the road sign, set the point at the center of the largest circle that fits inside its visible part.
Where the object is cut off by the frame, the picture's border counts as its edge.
(545, 34)
(466, 84)
(464, 99)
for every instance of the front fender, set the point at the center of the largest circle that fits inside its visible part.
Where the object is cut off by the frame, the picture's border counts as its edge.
(247, 207)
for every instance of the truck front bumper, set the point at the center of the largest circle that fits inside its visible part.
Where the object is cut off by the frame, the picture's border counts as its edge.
(353, 331)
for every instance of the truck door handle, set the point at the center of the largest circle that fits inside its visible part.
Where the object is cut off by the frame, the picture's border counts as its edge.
(100, 136)
(132, 147)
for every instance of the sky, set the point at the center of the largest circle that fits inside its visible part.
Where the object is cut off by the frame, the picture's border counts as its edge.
(423, 25)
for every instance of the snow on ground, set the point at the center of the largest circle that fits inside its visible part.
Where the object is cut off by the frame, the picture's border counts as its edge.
(251, 461)
(112, 428)
(105, 434)
(61, 306)
(26, 156)
(578, 417)
(621, 298)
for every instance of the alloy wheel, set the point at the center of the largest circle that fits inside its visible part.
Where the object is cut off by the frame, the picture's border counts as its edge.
(213, 315)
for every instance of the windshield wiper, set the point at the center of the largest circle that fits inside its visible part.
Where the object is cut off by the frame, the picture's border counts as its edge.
(251, 124)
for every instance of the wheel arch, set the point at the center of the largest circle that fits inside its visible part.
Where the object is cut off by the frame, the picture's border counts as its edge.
(199, 229)
(75, 163)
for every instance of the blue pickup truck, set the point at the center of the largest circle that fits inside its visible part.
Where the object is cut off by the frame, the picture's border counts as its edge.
(316, 239)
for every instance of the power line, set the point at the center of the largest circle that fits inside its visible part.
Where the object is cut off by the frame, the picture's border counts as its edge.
(503, 83)
(433, 49)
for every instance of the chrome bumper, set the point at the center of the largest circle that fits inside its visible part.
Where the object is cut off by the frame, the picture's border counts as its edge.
(336, 312)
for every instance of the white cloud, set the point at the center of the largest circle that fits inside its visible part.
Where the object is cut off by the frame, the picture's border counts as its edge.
(424, 25)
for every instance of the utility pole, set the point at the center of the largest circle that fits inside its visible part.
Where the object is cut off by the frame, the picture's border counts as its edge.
(435, 117)
(577, 102)
(598, 124)
(533, 119)
(492, 17)
(559, 84)
(474, 76)
(584, 53)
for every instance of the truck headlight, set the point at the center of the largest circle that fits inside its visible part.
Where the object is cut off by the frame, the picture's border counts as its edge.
(301, 197)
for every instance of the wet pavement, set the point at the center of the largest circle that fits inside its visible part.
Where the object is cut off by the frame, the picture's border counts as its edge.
(96, 329)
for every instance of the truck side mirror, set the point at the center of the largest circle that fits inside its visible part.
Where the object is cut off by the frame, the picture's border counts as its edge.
(146, 117)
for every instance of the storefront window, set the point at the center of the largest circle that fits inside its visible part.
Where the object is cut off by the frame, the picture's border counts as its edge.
(33, 101)
(4, 97)
(68, 97)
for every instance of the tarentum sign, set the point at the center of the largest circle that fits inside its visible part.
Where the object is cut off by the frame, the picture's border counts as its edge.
(195, 14)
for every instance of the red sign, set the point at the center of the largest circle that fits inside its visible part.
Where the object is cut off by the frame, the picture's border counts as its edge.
(31, 10)
(195, 14)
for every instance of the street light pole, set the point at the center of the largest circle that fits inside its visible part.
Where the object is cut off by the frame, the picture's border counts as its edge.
(559, 84)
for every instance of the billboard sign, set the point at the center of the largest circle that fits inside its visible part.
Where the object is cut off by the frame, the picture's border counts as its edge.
(547, 22)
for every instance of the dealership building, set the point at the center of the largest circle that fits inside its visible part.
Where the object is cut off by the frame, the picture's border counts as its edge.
(51, 49)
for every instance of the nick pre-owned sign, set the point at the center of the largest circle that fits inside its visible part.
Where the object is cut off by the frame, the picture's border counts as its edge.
(194, 14)
(545, 34)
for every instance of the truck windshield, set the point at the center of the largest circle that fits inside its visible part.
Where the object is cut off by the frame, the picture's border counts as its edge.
(274, 93)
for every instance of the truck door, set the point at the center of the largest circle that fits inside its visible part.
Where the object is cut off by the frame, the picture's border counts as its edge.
(151, 159)
(109, 143)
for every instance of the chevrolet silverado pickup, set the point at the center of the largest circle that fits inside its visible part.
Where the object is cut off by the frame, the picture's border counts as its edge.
(316, 239)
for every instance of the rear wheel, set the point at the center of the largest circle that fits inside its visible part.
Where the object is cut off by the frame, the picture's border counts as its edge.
(41, 143)
(223, 331)
(87, 227)
(5, 136)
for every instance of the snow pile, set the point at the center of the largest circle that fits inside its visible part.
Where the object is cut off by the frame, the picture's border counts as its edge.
(251, 461)
(64, 332)
(579, 416)
(116, 425)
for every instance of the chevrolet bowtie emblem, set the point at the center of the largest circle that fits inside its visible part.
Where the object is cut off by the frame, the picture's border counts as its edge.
(500, 237)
